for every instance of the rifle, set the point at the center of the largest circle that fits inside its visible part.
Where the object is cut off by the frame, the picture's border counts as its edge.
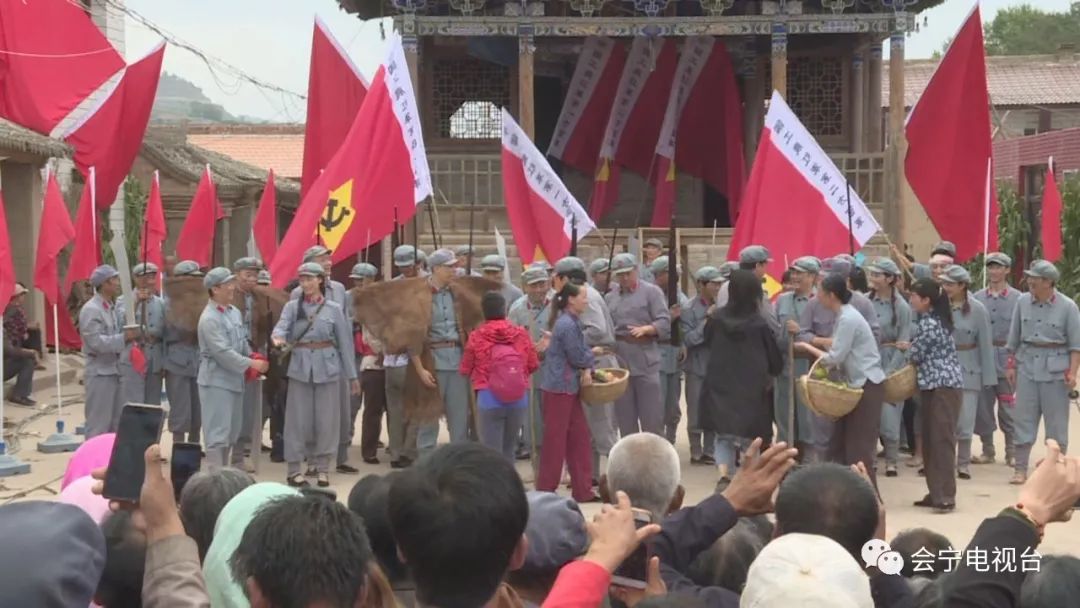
(573, 235)
(673, 280)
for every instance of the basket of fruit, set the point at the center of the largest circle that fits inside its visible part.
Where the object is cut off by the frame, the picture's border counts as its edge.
(826, 397)
(900, 385)
(608, 384)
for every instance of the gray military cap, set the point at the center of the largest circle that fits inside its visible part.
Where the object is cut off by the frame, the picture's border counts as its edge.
(998, 258)
(493, 262)
(463, 250)
(945, 247)
(754, 254)
(847, 257)
(837, 265)
(314, 252)
(534, 275)
(363, 270)
(569, 264)
(884, 266)
(955, 274)
(264, 277)
(311, 269)
(1043, 269)
(654, 242)
(442, 257)
(187, 268)
(542, 265)
(807, 264)
(144, 269)
(407, 255)
(660, 264)
(217, 276)
(101, 274)
(725, 271)
(623, 262)
(707, 274)
(599, 265)
(248, 263)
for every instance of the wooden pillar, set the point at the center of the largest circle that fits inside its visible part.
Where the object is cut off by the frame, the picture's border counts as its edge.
(410, 43)
(858, 105)
(897, 145)
(872, 122)
(526, 71)
(779, 58)
(754, 102)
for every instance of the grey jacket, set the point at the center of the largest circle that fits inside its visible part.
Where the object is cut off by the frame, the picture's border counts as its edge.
(173, 576)
(692, 321)
(153, 326)
(973, 330)
(223, 348)
(646, 305)
(329, 325)
(335, 292)
(102, 337)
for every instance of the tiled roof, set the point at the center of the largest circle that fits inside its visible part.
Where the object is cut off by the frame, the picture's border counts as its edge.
(282, 152)
(17, 139)
(187, 160)
(1028, 80)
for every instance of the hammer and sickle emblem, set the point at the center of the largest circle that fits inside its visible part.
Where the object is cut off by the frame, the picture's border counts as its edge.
(338, 216)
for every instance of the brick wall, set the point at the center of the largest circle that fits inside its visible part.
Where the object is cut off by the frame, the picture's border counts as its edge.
(1011, 155)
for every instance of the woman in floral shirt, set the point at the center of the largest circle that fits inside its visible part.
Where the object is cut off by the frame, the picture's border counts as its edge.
(941, 381)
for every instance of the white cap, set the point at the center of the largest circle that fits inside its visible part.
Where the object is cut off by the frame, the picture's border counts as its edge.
(805, 570)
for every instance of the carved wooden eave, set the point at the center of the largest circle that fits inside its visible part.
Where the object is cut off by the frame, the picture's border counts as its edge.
(747, 25)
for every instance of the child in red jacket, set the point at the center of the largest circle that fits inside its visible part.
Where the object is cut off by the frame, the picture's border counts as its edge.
(499, 358)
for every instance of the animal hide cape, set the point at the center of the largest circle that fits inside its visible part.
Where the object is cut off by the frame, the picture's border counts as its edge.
(398, 315)
(187, 298)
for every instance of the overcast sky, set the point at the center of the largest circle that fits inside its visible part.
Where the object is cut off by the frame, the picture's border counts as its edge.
(271, 40)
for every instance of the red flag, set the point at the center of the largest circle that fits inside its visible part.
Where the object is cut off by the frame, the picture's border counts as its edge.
(154, 228)
(69, 335)
(791, 210)
(948, 133)
(541, 209)
(381, 166)
(56, 232)
(580, 128)
(7, 267)
(336, 89)
(109, 137)
(196, 240)
(86, 254)
(1051, 216)
(51, 58)
(264, 228)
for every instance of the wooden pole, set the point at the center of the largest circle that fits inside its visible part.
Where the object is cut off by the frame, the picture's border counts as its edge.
(779, 58)
(526, 73)
(897, 142)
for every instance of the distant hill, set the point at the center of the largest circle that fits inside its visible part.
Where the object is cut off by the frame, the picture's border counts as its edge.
(179, 99)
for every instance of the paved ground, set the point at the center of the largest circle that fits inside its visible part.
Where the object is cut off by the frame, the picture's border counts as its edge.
(977, 499)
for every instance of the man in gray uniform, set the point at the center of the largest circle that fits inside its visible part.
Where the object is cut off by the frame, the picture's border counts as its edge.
(640, 313)
(104, 339)
(1044, 338)
(464, 255)
(494, 268)
(789, 307)
(409, 262)
(369, 368)
(650, 250)
(181, 371)
(599, 330)
(445, 342)
(693, 319)
(144, 387)
(532, 311)
(401, 432)
(1000, 300)
(223, 360)
(671, 357)
(247, 274)
(598, 274)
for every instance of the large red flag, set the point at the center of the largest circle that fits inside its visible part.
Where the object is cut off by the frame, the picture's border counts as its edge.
(56, 232)
(796, 200)
(69, 334)
(196, 239)
(948, 133)
(580, 128)
(381, 167)
(51, 58)
(7, 267)
(264, 228)
(152, 239)
(109, 137)
(86, 254)
(542, 211)
(1051, 216)
(336, 89)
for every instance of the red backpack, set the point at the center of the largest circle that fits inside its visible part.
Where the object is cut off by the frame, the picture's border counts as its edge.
(506, 374)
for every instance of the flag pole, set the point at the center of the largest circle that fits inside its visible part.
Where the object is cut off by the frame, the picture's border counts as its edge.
(416, 239)
(573, 235)
(986, 211)
(469, 256)
(367, 245)
(714, 231)
(673, 277)
(850, 213)
(611, 256)
(431, 218)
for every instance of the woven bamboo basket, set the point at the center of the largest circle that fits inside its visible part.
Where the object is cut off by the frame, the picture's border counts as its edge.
(827, 399)
(599, 393)
(900, 385)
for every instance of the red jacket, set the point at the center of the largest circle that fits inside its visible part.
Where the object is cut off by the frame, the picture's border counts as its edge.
(476, 359)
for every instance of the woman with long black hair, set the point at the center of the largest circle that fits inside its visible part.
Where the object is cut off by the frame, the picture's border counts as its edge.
(940, 381)
(854, 351)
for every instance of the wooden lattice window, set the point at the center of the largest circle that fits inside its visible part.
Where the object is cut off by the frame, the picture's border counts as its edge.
(467, 95)
(816, 93)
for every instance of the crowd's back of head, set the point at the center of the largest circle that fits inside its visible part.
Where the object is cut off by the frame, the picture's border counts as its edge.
(646, 467)
(829, 500)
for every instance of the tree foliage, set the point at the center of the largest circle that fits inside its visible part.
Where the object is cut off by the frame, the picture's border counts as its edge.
(1026, 30)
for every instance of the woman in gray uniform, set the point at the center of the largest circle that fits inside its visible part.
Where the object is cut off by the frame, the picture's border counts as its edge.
(320, 340)
(894, 317)
(975, 349)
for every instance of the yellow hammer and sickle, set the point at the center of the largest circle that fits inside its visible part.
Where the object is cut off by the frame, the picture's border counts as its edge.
(338, 216)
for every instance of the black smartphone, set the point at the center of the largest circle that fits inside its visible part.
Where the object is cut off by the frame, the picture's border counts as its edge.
(632, 572)
(186, 461)
(139, 428)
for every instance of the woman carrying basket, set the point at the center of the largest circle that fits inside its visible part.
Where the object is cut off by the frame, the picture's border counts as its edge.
(855, 352)
(894, 316)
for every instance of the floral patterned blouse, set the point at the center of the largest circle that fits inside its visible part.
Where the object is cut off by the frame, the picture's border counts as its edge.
(934, 354)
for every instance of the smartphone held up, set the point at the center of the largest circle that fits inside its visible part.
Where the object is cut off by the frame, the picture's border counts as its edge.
(139, 428)
(633, 571)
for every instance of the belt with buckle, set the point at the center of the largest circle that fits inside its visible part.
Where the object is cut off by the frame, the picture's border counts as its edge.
(632, 340)
(314, 345)
(1045, 344)
(444, 344)
(966, 346)
(1001, 344)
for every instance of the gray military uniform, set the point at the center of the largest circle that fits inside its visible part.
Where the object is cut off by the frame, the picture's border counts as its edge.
(640, 408)
(181, 388)
(599, 330)
(534, 318)
(1042, 335)
(696, 365)
(103, 342)
(136, 387)
(671, 379)
(223, 359)
(321, 357)
(999, 307)
(789, 307)
(975, 349)
(894, 317)
(453, 387)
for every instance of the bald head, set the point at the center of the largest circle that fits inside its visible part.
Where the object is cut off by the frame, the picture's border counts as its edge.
(646, 467)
